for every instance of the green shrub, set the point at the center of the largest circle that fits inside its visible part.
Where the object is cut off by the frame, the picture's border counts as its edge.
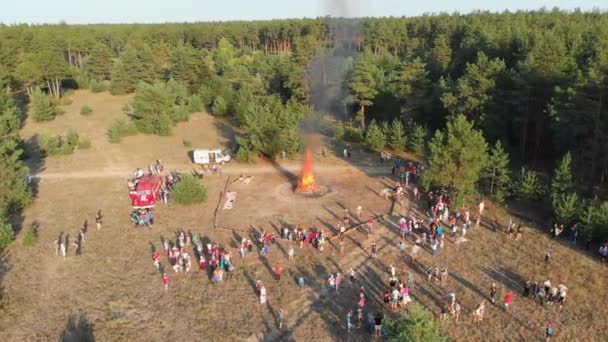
(126, 108)
(187, 143)
(50, 145)
(219, 107)
(43, 108)
(65, 101)
(84, 143)
(189, 191)
(195, 104)
(71, 138)
(416, 326)
(30, 235)
(244, 154)
(59, 111)
(120, 128)
(6, 233)
(98, 86)
(86, 110)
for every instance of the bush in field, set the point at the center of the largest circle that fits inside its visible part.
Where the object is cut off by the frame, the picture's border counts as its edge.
(84, 143)
(187, 143)
(119, 129)
(189, 191)
(51, 145)
(98, 86)
(418, 325)
(6, 233)
(30, 235)
(86, 110)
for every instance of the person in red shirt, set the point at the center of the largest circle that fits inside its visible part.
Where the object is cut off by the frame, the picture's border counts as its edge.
(370, 226)
(156, 259)
(166, 281)
(277, 271)
(508, 300)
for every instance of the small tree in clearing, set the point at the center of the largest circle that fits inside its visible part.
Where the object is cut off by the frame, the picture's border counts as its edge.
(189, 191)
(418, 325)
(375, 137)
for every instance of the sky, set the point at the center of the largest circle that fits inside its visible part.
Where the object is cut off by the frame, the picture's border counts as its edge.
(159, 11)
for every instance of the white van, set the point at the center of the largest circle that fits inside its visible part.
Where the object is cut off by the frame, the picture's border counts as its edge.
(210, 156)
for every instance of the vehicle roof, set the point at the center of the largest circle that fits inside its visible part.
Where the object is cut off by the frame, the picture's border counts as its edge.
(149, 182)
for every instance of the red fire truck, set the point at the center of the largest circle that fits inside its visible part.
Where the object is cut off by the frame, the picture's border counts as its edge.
(146, 192)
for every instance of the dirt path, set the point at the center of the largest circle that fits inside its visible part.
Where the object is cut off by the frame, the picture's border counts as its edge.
(228, 170)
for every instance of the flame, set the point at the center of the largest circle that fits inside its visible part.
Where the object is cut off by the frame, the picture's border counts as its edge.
(307, 183)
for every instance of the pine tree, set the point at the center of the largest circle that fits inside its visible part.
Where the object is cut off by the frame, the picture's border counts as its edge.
(414, 88)
(563, 180)
(528, 186)
(473, 91)
(99, 63)
(187, 66)
(42, 106)
(375, 137)
(440, 56)
(15, 194)
(396, 136)
(566, 208)
(363, 86)
(496, 174)
(456, 157)
(417, 139)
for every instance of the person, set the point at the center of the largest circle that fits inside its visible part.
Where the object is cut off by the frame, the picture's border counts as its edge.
(98, 218)
(415, 251)
(479, 312)
(493, 293)
(549, 331)
(359, 210)
(370, 226)
(353, 276)
(301, 281)
(156, 259)
(277, 271)
(290, 253)
(345, 153)
(520, 231)
(262, 294)
(456, 312)
(374, 249)
(481, 207)
(434, 247)
(444, 312)
(331, 281)
(401, 247)
(338, 280)
(392, 270)
(378, 324)
(349, 320)
(548, 256)
(281, 317)
(165, 281)
(508, 300)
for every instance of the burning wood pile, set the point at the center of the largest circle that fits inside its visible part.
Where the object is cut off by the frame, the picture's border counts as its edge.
(306, 182)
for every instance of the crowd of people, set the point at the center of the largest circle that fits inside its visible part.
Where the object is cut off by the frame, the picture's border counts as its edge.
(424, 234)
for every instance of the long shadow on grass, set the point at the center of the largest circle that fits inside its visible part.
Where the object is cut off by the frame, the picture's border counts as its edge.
(506, 277)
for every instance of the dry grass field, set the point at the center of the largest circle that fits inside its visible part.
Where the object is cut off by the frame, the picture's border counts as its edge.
(112, 292)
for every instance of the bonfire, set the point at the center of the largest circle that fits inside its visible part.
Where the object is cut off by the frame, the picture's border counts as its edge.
(306, 182)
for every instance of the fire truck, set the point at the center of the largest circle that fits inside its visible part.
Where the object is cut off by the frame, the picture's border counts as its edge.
(146, 191)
